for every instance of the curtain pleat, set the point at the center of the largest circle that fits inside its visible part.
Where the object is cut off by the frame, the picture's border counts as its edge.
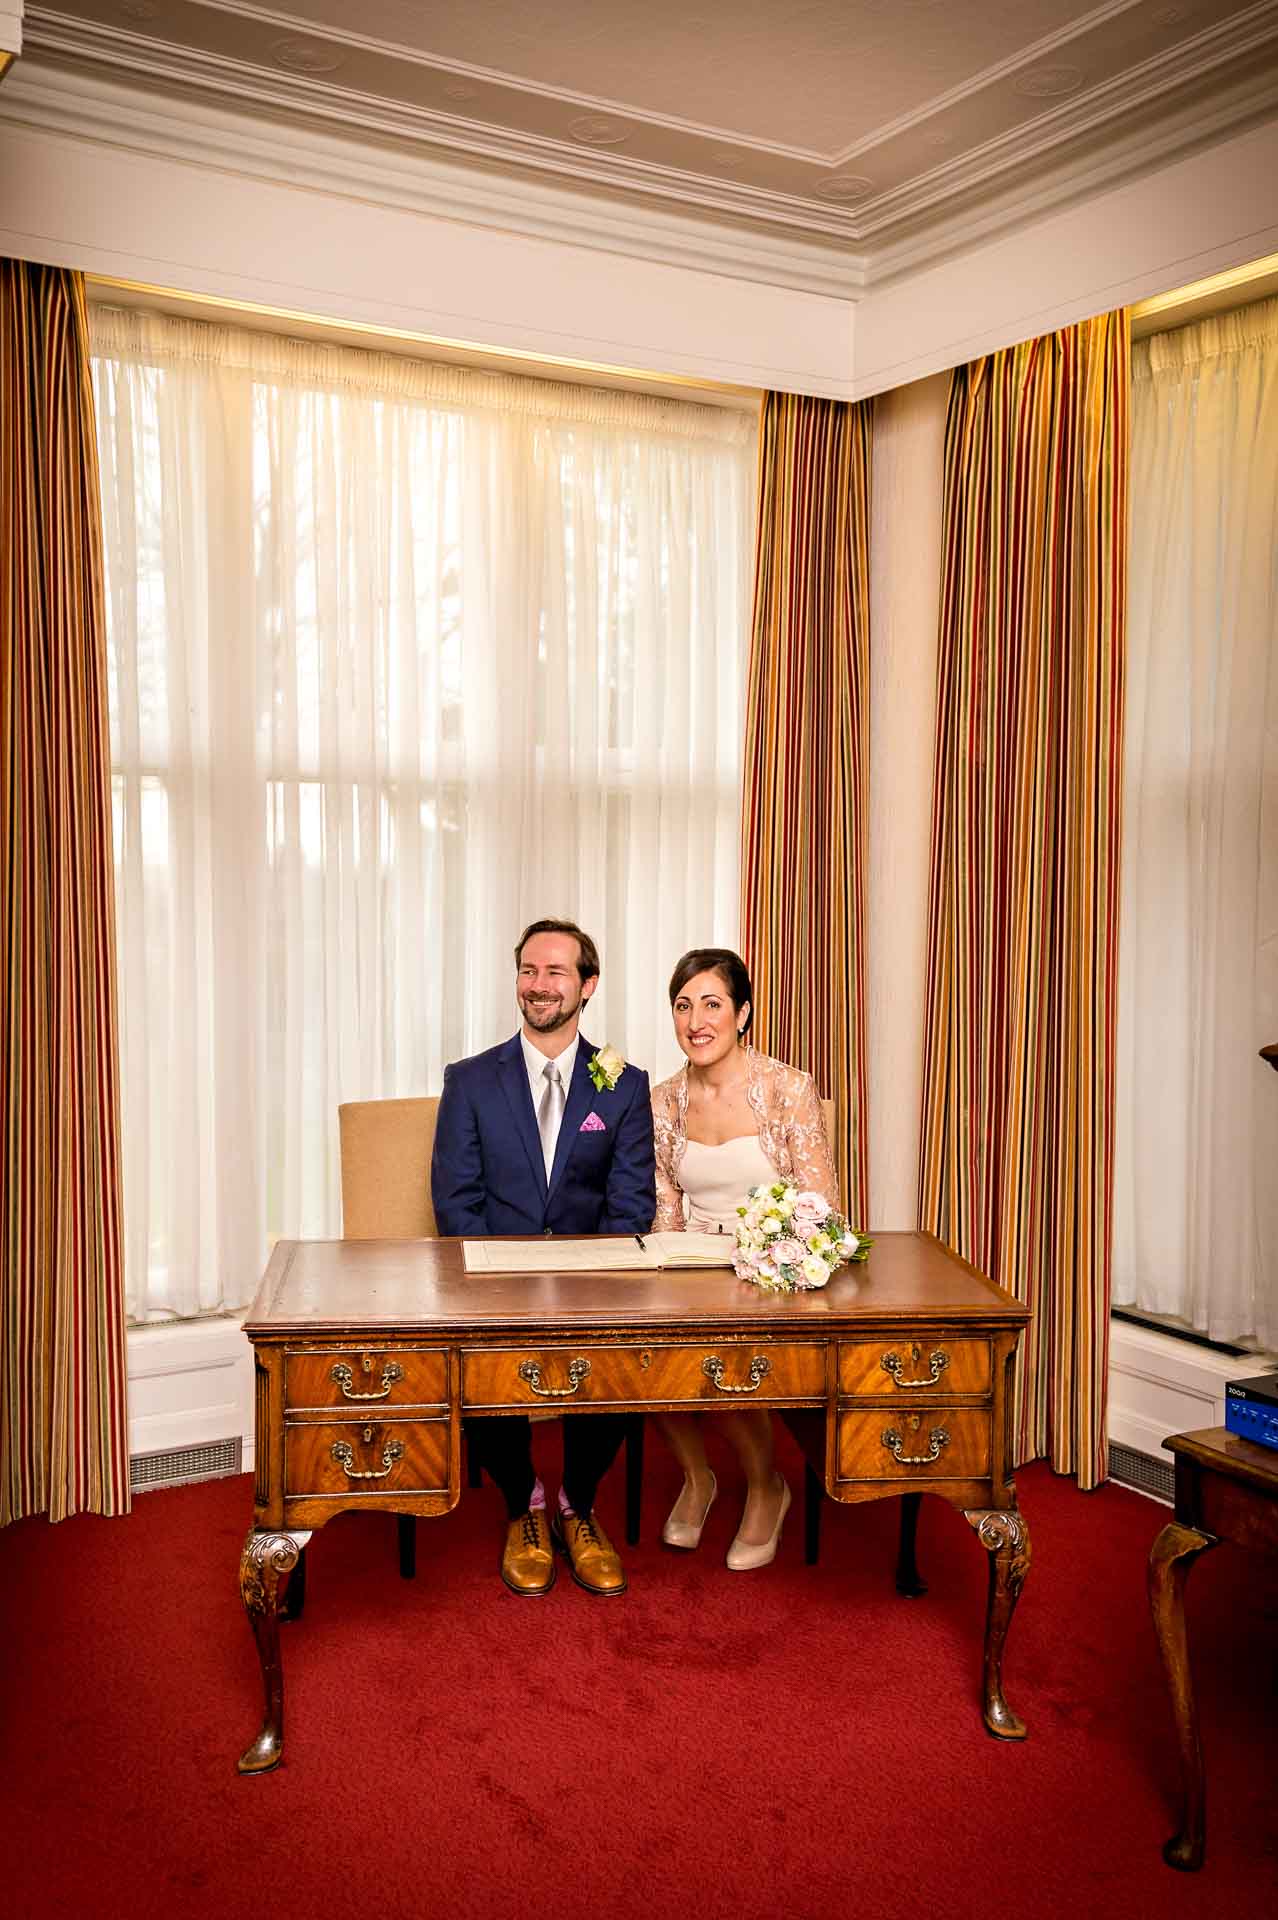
(806, 773)
(1196, 1145)
(1017, 1131)
(63, 1429)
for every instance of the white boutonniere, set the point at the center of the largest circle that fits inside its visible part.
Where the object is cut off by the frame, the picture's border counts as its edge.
(605, 1068)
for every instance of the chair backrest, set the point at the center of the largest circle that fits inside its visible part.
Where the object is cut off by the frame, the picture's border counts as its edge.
(386, 1147)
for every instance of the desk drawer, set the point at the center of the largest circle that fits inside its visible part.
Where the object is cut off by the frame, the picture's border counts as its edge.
(350, 1457)
(366, 1377)
(909, 1369)
(941, 1443)
(722, 1373)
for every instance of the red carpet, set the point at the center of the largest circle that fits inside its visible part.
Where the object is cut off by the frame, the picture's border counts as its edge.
(792, 1742)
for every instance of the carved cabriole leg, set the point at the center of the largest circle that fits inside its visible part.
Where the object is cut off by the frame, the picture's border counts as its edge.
(1005, 1537)
(267, 1558)
(1170, 1559)
(908, 1580)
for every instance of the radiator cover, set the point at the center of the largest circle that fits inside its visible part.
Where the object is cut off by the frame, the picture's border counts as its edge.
(177, 1466)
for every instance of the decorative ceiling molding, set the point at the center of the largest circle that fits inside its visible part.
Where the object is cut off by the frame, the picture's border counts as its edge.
(1024, 57)
(1158, 111)
(296, 122)
(106, 112)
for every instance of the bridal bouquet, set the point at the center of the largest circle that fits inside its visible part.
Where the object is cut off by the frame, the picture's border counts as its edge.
(789, 1240)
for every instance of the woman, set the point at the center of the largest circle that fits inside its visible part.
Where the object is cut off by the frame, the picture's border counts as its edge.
(728, 1120)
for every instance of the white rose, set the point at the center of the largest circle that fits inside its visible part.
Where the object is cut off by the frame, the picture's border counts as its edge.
(815, 1271)
(848, 1245)
(772, 1223)
(612, 1062)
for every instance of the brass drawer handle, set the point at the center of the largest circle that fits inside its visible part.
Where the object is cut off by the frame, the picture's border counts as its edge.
(391, 1372)
(344, 1454)
(577, 1371)
(937, 1438)
(712, 1367)
(938, 1359)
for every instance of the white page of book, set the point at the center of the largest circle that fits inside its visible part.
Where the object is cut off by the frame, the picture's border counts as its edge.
(556, 1254)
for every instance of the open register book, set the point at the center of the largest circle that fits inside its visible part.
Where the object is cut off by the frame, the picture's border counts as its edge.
(606, 1255)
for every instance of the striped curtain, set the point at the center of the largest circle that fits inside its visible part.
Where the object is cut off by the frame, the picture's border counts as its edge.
(63, 1435)
(1017, 1127)
(805, 781)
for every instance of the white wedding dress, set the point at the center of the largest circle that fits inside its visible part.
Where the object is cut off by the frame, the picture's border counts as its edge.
(716, 1180)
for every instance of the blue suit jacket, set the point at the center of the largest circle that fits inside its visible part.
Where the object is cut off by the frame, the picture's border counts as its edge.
(487, 1174)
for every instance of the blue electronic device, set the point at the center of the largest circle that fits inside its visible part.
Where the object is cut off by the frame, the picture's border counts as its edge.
(1251, 1409)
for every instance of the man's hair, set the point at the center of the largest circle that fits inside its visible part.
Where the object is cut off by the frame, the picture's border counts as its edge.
(587, 951)
(731, 969)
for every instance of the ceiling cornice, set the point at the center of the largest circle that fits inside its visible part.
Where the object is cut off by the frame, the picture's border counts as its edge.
(1151, 113)
(1186, 58)
(117, 87)
(87, 106)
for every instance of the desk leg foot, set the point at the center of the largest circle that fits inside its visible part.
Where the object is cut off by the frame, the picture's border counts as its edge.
(1170, 1559)
(267, 1559)
(908, 1579)
(1005, 1537)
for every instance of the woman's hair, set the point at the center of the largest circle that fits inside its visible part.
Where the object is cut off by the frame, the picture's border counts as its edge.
(729, 966)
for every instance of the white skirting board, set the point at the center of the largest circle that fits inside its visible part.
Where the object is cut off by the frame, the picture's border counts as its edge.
(189, 1384)
(1159, 1385)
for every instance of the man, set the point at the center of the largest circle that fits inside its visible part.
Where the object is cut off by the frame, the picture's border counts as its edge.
(545, 1134)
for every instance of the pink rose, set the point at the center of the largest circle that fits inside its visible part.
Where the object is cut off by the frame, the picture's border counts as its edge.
(788, 1252)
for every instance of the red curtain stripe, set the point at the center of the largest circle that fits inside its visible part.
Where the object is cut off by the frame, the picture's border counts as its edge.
(62, 1357)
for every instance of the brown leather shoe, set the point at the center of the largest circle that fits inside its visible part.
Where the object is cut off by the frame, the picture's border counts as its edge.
(594, 1560)
(528, 1560)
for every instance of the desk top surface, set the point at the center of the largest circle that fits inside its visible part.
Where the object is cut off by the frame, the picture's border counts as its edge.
(1229, 1453)
(421, 1287)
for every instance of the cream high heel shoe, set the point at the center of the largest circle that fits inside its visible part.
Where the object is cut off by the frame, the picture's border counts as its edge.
(687, 1533)
(743, 1555)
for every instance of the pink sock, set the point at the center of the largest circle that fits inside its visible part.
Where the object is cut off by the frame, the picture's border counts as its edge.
(538, 1502)
(563, 1502)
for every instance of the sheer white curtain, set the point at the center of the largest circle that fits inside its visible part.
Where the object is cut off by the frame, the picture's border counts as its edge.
(401, 658)
(1196, 1167)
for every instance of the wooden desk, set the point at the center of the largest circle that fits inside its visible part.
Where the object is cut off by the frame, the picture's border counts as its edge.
(1226, 1489)
(368, 1353)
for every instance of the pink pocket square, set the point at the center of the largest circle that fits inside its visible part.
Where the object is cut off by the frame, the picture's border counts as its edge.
(592, 1124)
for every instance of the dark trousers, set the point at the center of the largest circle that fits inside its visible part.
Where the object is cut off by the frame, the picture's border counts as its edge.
(502, 1444)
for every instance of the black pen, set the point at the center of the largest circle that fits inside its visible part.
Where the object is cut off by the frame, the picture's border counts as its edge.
(639, 1240)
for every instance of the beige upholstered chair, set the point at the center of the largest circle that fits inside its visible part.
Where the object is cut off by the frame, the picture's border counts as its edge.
(386, 1147)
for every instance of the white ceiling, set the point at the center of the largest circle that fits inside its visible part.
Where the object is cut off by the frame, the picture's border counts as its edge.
(880, 130)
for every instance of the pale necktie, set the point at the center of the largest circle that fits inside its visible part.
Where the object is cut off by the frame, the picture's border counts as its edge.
(550, 1113)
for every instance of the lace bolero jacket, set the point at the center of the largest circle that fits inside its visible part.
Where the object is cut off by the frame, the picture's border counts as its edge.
(791, 1132)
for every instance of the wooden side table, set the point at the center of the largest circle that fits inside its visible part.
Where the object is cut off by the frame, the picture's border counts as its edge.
(1226, 1489)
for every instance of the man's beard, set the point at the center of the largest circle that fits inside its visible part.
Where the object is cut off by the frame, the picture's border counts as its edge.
(548, 1018)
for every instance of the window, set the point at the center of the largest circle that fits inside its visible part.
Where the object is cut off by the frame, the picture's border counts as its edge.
(400, 658)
